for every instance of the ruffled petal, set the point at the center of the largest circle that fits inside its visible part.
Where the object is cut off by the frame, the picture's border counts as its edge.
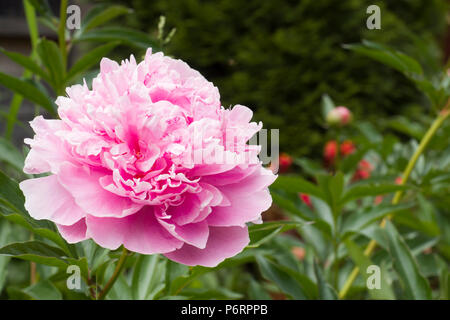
(243, 209)
(195, 234)
(85, 187)
(223, 242)
(74, 233)
(139, 232)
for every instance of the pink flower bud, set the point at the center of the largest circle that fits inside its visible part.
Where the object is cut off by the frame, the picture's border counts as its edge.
(339, 116)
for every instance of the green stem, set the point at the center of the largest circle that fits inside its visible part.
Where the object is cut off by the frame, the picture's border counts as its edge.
(119, 267)
(17, 99)
(398, 195)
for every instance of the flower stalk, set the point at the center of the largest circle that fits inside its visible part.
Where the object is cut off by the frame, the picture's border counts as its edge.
(119, 267)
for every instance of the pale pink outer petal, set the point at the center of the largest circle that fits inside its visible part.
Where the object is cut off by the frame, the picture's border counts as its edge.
(139, 232)
(223, 242)
(249, 198)
(47, 150)
(244, 208)
(91, 197)
(45, 198)
(74, 233)
(195, 234)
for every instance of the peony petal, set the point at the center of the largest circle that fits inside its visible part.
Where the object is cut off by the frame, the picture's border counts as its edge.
(47, 149)
(223, 242)
(74, 233)
(244, 208)
(45, 198)
(240, 114)
(139, 232)
(195, 234)
(90, 196)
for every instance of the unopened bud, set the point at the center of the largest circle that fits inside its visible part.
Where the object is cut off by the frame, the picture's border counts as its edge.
(340, 116)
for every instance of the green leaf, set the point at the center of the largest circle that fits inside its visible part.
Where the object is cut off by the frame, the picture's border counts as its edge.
(326, 292)
(11, 197)
(5, 231)
(415, 285)
(43, 290)
(147, 275)
(102, 14)
(392, 58)
(52, 59)
(327, 105)
(332, 187)
(10, 154)
(90, 59)
(257, 292)
(361, 219)
(363, 262)
(289, 205)
(126, 35)
(261, 233)
(177, 276)
(27, 63)
(28, 91)
(36, 251)
(273, 272)
(363, 190)
(10, 194)
(42, 7)
(297, 184)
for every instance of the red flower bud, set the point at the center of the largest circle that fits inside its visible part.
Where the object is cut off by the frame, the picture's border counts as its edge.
(330, 151)
(363, 171)
(285, 162)
(347, 147)
(306, 199)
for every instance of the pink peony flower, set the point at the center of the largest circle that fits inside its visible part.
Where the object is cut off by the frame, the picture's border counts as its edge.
(124, 164)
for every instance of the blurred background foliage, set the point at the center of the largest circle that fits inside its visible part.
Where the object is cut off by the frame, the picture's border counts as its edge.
(280, 57)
